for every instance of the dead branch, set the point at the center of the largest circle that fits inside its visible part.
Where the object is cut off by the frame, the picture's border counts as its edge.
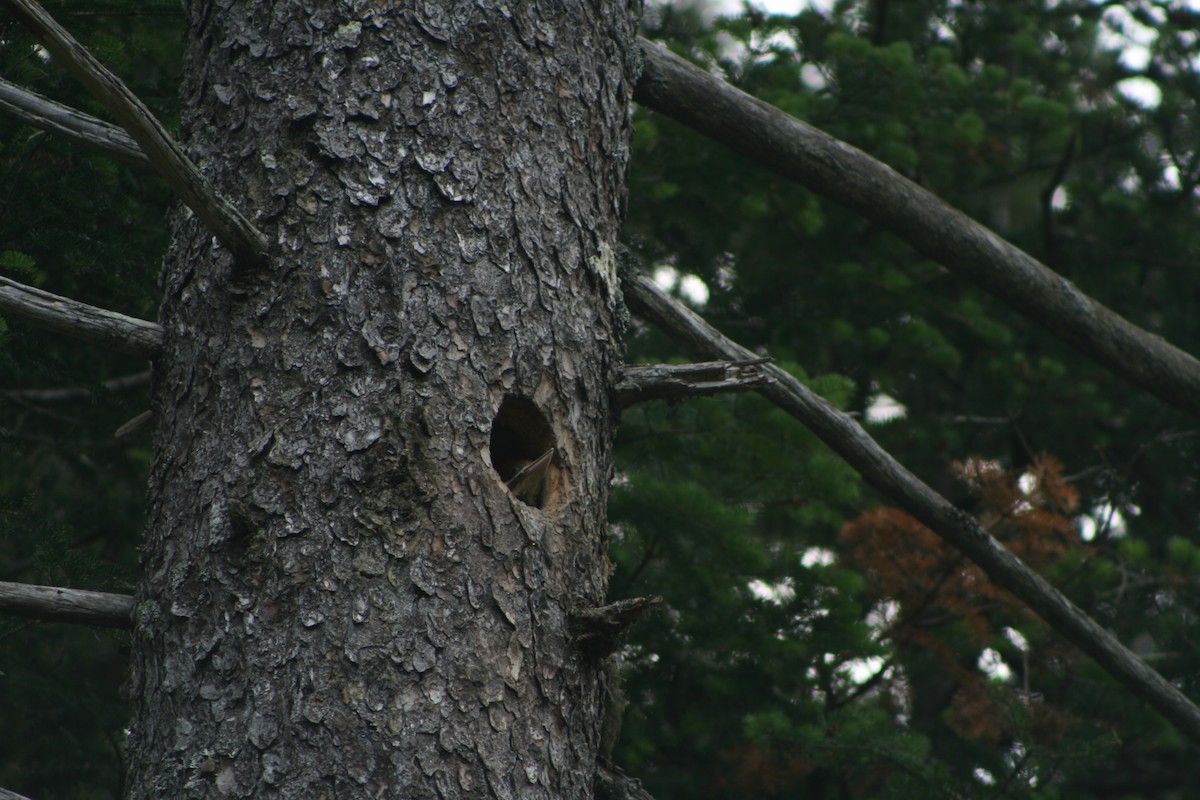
(54, 604)
(641, 382)
(107, 328)
(245, 241)
(843, 173)
(960, 529)
(47, 115)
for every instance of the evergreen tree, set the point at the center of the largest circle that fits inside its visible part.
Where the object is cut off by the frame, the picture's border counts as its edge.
(861, 677)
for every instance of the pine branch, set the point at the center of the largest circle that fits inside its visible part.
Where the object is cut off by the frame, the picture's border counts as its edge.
(958, 528)
(843, 173)
(54, 604)
(641, 382)
(237, 233)
(45, 114)
(79, 320)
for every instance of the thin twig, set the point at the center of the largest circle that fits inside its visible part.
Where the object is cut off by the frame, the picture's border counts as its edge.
(67, 394)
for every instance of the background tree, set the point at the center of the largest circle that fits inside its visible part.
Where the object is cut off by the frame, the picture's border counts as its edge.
(777, 667)
(1016, 113)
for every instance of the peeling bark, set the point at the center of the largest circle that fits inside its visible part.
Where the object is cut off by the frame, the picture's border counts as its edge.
(341, 596)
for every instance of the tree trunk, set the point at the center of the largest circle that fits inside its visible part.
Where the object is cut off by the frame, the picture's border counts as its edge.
(342, 596)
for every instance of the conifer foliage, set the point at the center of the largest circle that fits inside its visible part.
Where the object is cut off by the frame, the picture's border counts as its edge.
(851, 665)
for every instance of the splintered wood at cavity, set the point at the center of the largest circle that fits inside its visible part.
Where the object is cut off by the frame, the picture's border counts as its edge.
(522, 452)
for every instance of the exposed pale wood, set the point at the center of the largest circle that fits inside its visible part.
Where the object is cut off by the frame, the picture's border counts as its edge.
(236, 232)
(80, 320)
(847, 438)
(641, 382)
(55, 604)
(786, 145)
(43, 113)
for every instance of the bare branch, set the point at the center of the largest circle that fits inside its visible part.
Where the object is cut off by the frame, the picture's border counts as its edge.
(245, 241)
(43, 113)
(601, 630)
(53, 604)
(69, 393)
(641, 382)
(5, 794)
(782, 143)
(79, 320)
(960, 529)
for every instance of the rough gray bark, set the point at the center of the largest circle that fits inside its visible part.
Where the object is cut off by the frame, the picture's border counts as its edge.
(341, 598)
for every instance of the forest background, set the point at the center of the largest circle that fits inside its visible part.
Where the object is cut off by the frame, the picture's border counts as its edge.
(815, 642)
